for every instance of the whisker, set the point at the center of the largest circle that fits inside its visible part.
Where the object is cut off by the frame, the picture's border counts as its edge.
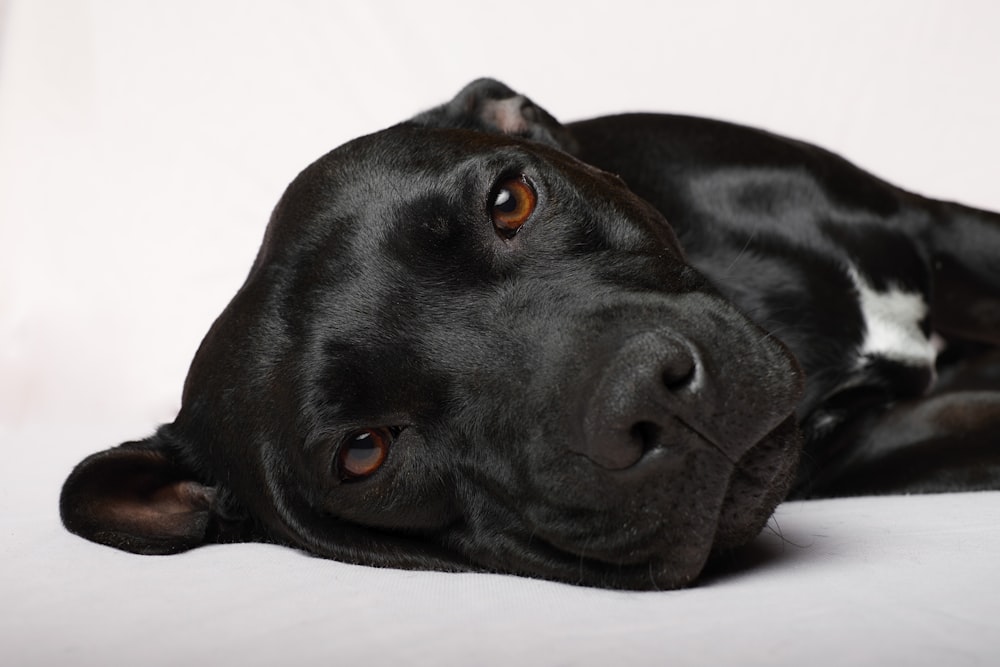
(739, 255)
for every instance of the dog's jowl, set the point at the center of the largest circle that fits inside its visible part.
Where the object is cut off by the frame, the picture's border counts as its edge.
(599, 353)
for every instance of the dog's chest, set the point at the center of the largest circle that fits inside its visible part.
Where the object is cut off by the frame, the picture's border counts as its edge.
(893, 324)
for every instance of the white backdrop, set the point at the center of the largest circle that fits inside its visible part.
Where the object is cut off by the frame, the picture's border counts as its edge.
(143, 144)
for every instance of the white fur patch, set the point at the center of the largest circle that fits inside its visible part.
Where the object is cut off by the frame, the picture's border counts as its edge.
(892, 324)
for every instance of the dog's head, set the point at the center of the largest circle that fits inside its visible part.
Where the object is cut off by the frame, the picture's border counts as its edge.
(463, 350)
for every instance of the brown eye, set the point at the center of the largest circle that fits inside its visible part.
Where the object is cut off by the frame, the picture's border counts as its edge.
(512, 205)
(364, 453)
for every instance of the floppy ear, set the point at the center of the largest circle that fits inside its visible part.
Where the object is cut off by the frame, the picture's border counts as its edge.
(136, 498)
(966, 247)
(490, 106)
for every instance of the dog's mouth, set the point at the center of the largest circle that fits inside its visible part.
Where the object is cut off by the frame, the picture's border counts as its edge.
(671, 450)
(658, 522)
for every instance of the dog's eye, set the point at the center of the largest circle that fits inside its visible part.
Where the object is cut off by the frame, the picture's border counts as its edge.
(363, 453)
(512, 205)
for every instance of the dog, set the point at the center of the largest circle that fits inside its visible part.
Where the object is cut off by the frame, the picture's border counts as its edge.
(598, 353)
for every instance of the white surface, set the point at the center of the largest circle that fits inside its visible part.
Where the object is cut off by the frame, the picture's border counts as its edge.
(142, 146)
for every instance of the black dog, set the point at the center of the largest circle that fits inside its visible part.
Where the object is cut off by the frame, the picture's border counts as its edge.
(465, 344)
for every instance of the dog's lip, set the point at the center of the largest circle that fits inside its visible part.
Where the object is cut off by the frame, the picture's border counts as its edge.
(705, 440)
(761, 479)
(641, 534)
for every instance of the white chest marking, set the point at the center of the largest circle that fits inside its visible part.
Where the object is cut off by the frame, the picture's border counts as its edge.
(892, 324)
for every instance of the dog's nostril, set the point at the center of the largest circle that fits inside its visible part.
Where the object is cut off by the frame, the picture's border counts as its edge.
(646, 435)
(679, 372)
(628, 406)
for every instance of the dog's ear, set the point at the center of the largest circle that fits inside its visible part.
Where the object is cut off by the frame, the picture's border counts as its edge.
(965, 243)
(139, 498)
(490, 106)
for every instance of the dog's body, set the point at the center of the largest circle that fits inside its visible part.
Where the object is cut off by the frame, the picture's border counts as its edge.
(864, 282)
(466, 345)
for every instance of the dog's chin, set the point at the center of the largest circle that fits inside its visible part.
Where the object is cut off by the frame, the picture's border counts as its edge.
(641, 566)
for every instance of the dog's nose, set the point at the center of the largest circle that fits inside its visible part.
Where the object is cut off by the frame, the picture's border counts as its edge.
(627, 405)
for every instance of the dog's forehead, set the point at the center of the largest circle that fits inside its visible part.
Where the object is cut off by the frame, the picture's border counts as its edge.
(371, 170)
(348, 193)
(411, 148)
(410, 155)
